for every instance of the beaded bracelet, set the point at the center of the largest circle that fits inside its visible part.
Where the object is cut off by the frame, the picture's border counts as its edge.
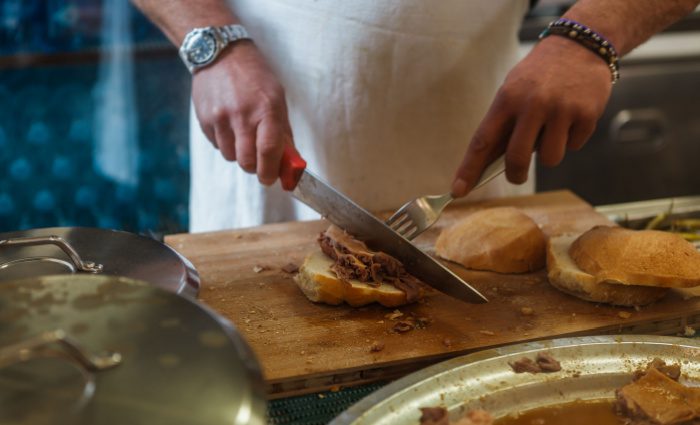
(587, 38)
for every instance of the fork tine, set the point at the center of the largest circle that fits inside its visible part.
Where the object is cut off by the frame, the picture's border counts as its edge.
(398, 214)
(408, 231)
(411, 233)
(402, 228)
(396, 225)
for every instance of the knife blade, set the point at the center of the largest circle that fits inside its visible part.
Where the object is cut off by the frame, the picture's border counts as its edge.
(346, 214)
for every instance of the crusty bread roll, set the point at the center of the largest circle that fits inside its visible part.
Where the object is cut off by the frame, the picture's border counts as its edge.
(565, 275)
(637, 257)
(503, 240)
(320, 284)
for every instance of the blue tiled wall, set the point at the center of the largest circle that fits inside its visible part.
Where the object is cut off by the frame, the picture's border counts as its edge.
(47, 146)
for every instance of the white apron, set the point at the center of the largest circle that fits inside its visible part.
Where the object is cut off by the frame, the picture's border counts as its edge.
(383, 95)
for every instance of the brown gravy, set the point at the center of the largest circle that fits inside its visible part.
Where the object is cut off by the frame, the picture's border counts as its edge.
(598, 412)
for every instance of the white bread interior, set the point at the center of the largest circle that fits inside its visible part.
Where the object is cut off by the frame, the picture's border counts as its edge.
(566, 276)
(637, 257)
(502, 239)
(320, 284)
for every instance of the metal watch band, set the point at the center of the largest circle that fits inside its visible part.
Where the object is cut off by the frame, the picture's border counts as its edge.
(232, 33)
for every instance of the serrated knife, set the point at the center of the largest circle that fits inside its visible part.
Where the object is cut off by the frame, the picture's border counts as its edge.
(346, 214)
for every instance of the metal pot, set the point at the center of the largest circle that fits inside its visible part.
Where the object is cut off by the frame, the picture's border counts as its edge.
(68, 250)
(91, 349)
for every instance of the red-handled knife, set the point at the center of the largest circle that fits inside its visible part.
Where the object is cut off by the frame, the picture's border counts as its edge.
(346, 214)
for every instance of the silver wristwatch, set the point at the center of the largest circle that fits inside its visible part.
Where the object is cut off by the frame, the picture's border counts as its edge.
(202, 45)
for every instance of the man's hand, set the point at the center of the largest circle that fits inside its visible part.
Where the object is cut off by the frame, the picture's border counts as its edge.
(553, 98)
(549, 102)
(241, 108)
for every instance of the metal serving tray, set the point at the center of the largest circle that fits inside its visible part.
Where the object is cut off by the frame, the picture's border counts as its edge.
(592, 368)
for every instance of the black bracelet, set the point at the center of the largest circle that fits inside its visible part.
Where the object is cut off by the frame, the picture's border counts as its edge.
(587, 38)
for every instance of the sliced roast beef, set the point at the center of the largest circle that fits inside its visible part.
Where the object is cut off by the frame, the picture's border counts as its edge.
(434, 416)
(543, 363)
(547, 363)
(440, 416)
(673, 371)
(654, 398)
(354, 260)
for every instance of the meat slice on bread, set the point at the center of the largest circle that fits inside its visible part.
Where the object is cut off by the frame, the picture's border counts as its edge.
(503, 239)
(346, 270)
(320, 284)
(637, 257)
(565, 275)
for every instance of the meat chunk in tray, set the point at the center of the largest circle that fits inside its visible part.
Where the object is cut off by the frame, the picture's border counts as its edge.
(655, 397)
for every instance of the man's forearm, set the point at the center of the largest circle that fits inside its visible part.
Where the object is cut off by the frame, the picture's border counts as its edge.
(628, 23)
(177, 17)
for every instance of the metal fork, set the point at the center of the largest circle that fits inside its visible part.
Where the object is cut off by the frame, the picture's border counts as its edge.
(417, 215)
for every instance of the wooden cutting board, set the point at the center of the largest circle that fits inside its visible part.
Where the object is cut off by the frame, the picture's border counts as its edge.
(306, 347)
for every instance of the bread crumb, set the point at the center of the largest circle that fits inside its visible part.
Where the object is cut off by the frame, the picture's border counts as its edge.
(321, 396)
(302, 352)
(246, 320)
(394, 315)
(484, 332)
(290, 268)
(422, 322)
(688, 331)
(624, 314)
(258, 269)
(447, 342)
(376, 347)
(527, 311)
(403, 327)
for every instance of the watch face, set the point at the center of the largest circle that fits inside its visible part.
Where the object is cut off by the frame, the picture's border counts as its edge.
(201, 48)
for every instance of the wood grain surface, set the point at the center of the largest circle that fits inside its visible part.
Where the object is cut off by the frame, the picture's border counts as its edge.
(306, 347)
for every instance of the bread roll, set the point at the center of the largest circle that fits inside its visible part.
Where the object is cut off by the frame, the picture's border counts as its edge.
(320, 284)
(565, 275)
(637, 257)
(503, 240)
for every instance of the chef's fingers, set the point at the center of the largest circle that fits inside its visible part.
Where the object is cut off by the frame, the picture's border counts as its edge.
(552, 143)
(245, 148)
(486, 145)
(521, 145)
(225, 140)
(580, 132)
(209, 133)
(270, 145)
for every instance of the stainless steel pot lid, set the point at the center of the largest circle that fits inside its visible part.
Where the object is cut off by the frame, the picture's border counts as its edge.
(59, 250)
(92, 349)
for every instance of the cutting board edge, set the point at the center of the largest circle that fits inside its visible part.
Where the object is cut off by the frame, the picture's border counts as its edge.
(295, 386)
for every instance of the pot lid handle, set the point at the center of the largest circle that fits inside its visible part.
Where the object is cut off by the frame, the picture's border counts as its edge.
(85, 266)
(31, 347)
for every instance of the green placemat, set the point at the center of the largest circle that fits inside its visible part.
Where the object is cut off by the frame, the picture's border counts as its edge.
(316, 409)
